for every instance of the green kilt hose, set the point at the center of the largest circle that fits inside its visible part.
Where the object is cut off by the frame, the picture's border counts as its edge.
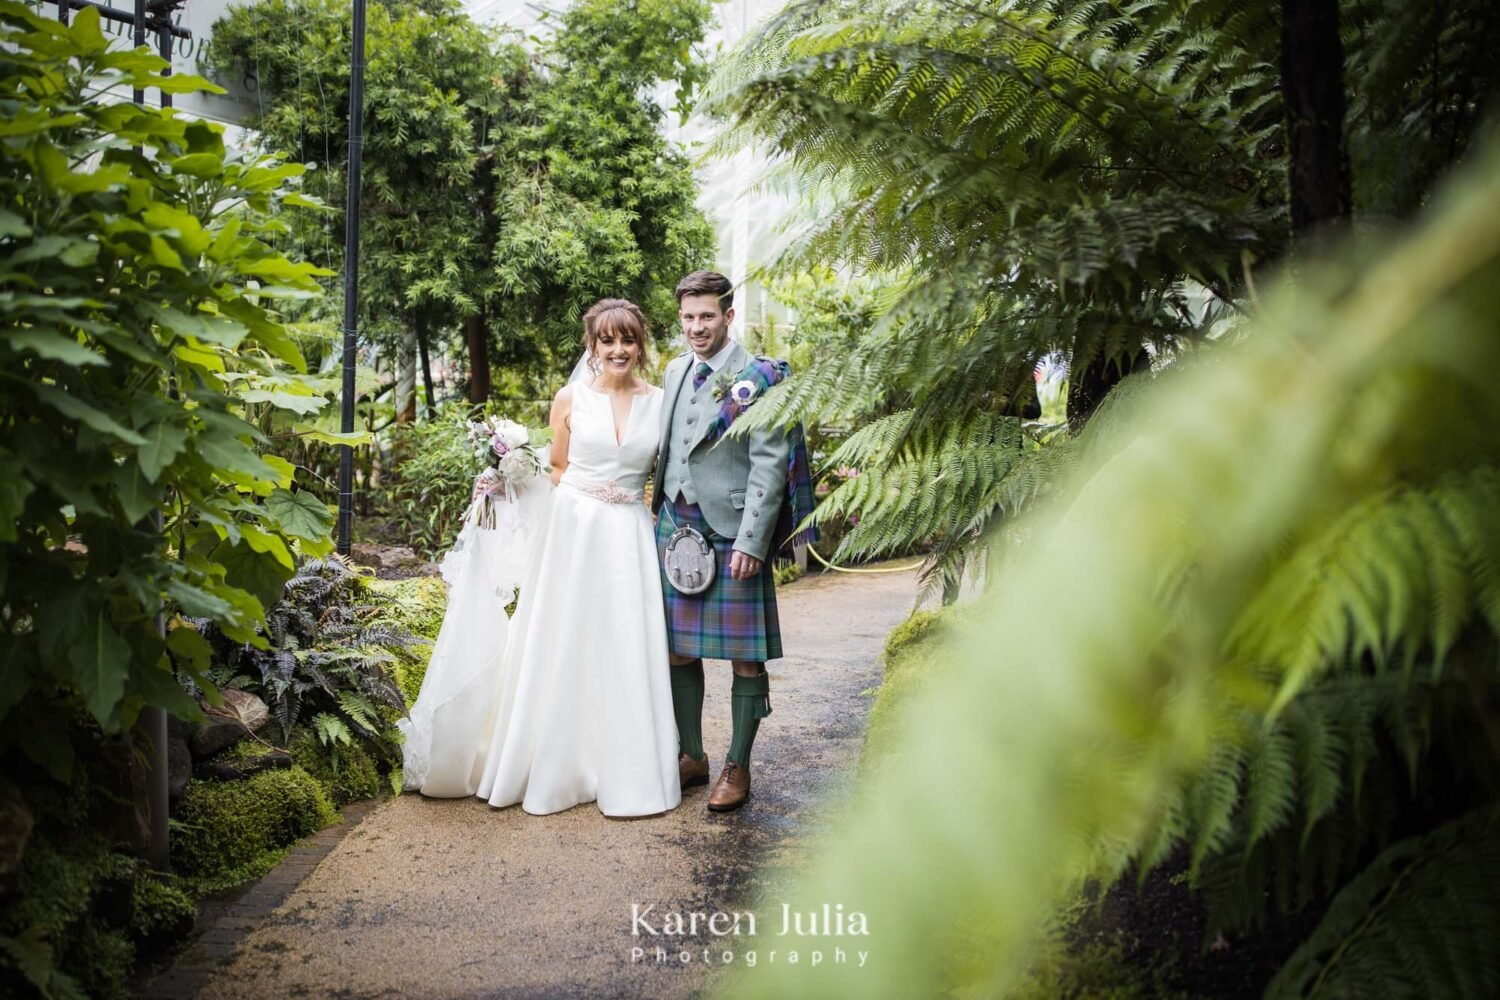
(732, 619)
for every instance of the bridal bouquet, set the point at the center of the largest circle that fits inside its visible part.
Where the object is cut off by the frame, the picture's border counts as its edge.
(505, 447)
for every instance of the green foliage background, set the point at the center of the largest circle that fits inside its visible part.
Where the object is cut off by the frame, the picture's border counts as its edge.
(140, 307)
(1091, 182)
(516, 183)
(1281, 652)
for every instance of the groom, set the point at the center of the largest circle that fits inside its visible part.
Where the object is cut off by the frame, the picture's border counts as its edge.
(730, 490)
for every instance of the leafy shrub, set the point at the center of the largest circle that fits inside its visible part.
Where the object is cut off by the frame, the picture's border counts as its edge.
(328, 660)
(138, 300)
(65, 925)
(427, 485)
(163, 914)
(913, 651)
(344, 769)
(1278, 656)
(416, 605)
(229, 832)
(786, 571)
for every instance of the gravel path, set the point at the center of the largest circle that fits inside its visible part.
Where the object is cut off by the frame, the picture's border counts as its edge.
(451, 898)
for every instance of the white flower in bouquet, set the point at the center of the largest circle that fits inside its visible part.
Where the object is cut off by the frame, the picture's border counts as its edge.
(507, 436)
(504, 446)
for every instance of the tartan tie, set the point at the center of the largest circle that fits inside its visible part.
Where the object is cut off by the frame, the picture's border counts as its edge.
(701, 374)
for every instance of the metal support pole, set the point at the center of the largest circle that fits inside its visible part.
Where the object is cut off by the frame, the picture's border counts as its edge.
(153, 720)
(351, 273)
(139, 23)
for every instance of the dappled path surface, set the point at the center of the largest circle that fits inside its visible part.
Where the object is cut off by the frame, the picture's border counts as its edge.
(451, 898)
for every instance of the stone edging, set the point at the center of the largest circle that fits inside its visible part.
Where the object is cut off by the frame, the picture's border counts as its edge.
(221, 935)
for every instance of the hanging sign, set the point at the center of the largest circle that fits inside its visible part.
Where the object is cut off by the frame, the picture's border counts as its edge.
(242, 93)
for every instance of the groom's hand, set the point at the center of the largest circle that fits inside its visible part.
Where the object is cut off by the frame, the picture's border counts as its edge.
(743, 567)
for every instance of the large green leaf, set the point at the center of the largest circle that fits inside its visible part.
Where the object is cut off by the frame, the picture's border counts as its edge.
(15, 678)
(226, 451)
(272, 336)
(208, 328)
(248, 609)
(58, 172)
(101, 665)
(203, 165)
(190, 648)
(268, 543)
(300, 514)
(157, 686)
(164, 440)
(65, 249)
(72, 406)
(57, 346)
(1421, 922)
(353, 438)
(261, 574)
(137, 495)
(15, 487)
(13, 225)
(197, 602)
(299, 403)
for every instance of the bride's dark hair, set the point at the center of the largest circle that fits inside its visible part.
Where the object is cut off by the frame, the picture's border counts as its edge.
(617, 317)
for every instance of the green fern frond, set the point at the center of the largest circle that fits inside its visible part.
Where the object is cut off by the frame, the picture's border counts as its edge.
(360, 709)
(1420, 922)
(331, 729)
(1397, 576)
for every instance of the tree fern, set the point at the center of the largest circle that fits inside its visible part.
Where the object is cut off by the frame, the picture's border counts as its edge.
(1420, 922)
(1398, 575)
(1128, 686)
(1060, 177)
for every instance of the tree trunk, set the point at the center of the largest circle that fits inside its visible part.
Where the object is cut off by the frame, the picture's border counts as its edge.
(426, 367)
(1312, 88)
(1087, 388)
(477, 339)
(406, 377)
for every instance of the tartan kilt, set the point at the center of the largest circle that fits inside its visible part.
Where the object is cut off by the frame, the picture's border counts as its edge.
(732, 619)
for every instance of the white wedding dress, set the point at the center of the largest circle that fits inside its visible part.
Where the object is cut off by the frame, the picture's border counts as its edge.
(569, 701)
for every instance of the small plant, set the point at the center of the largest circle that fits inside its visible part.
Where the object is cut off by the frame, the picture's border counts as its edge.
(329, 661)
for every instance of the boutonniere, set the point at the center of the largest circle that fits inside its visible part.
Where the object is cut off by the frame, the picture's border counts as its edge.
(741, 393)
(736, 393)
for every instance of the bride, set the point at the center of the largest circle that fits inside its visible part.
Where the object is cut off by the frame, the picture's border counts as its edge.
(569, 701)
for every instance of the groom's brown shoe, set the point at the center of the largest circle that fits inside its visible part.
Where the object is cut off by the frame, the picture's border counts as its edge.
(732, 789)
(692, 772)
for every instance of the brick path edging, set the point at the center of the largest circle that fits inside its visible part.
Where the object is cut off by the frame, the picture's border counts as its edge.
(221, 935)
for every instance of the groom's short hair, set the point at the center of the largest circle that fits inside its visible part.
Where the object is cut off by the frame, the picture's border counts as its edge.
(707, 283)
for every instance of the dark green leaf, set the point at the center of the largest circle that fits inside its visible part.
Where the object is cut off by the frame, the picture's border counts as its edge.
(15, 487)
(57, 346)
(189, 647)
(164, 440)
(137, 495)
(300, 514)
(71, 406)
(208, 328)
(260, 574)
(101, 664)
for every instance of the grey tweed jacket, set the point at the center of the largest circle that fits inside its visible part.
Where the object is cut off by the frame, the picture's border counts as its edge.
(740, 481)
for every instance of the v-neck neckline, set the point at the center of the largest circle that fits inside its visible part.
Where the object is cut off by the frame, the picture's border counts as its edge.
(621, 433)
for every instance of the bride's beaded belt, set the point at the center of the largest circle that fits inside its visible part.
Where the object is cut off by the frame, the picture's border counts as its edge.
(609, 492)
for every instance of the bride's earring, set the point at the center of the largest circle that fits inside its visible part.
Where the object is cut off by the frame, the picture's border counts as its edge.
(595, 365)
